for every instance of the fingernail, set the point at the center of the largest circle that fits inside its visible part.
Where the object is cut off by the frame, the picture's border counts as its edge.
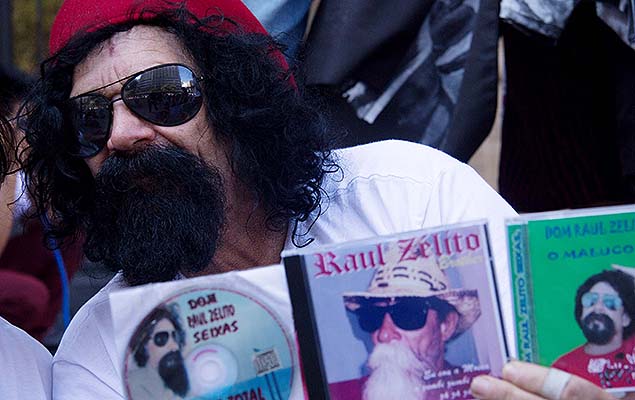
(510, 372)
(480, 387)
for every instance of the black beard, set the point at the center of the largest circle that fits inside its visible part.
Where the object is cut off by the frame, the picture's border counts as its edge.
(156, 212)
(172, 371)
(598, 328)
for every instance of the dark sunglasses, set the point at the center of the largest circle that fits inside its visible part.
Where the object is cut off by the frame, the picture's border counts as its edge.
(161, 338)
(409, 313)
(165, 95)
(610, 301)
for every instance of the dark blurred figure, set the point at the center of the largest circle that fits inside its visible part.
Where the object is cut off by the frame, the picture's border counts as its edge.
(424, 71)
(30, 286)
(568, 138)
(14, 85)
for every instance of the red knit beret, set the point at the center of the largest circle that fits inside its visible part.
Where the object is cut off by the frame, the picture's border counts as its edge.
(77, 16)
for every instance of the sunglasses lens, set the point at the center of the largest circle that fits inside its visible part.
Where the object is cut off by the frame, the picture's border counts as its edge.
(161, 338)
(371, 317)
(168, 95)
(611, 302)
(589, 299)
(90, 116)
(410, 313)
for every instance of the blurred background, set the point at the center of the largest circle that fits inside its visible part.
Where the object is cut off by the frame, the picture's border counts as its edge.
(25, 31)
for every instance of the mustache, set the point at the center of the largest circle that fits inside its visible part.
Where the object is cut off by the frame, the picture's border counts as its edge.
(126, 171)
(156, 212)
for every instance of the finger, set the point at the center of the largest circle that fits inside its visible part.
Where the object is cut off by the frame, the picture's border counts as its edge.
(579, 388)
(531, 377)
(485, 387)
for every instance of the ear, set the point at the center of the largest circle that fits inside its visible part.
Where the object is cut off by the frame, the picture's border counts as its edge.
(448, 326)
(626, 319)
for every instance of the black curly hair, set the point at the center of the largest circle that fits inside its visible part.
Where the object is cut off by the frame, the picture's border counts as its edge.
(6, 145)
(13, 87)
(622, 283)
(279, 138)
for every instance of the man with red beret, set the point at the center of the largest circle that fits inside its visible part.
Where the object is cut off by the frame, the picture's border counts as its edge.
(174, 137)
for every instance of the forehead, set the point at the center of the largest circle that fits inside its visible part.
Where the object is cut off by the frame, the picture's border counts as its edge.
(126, 53)
(164, 324)
(602, 288)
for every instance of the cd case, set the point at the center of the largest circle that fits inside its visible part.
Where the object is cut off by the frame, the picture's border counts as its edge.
(413, 315)
(225, 336)
(572, 283)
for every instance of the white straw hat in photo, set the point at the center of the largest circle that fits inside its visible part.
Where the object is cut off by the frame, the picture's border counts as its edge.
(421, 278)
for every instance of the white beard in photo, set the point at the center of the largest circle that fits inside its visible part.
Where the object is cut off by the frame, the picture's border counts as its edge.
(395, 373)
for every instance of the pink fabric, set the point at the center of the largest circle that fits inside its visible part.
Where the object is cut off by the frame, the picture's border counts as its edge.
(79, 16)
(30, 286)
(611, 370)
(24, 299)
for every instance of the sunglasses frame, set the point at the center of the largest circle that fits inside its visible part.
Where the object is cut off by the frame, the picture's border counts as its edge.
(173, 333)
(127, 80)
(392, 308)
(602, 297)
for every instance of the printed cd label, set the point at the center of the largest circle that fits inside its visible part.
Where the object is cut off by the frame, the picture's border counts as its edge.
(210, 344)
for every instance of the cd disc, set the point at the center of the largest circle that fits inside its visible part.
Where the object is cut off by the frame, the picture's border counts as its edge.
(210, 343)
(211, 367)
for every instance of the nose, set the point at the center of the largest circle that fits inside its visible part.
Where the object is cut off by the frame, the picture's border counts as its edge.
(128, 131)
(599, 306)
(388, 331)
(172, 345)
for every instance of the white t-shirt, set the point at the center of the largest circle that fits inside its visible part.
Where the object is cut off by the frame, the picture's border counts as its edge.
(25, 364)
(384, 188)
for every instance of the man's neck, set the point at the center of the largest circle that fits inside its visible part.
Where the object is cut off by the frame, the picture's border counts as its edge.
(601, 349)
(245, 242)
(247, 249)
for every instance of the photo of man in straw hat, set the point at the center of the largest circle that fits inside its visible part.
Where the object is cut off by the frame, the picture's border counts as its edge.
(411, 312)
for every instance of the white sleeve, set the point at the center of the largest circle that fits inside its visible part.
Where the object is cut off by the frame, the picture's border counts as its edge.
(25, 364)
(74, 382)
(85, 365)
